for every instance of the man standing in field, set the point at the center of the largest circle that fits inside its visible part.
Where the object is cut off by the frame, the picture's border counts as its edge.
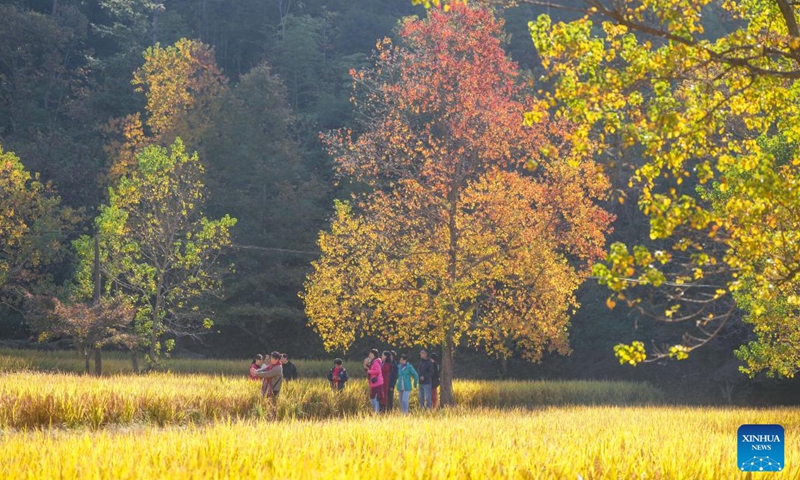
(289, 370)
(272, 376)
(425, 371)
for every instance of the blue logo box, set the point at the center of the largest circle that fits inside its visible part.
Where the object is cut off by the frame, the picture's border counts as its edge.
(761, 448)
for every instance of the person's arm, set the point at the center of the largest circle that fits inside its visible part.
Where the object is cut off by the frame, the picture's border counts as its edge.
(343, 375)
(415, 376)
(273, 373)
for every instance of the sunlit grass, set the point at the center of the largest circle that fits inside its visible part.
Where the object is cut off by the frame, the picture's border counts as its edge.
(40, 400)
(667, 443)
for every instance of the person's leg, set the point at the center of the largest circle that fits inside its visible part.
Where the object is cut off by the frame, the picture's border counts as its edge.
(404, 397)
(425, 396)
(374, 393)
(390, 400)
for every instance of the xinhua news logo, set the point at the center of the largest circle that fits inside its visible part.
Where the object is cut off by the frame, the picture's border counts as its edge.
(761, 448)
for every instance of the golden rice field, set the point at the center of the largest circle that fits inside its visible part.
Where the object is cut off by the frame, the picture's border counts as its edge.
(41, 400)
(56, 425)
(668, 443)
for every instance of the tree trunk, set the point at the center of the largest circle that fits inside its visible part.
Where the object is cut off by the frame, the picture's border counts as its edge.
(446, 374)
(98, 362)
(152, 353)
(55, 7)
(86, 367)
(503, 367)
(135, 361)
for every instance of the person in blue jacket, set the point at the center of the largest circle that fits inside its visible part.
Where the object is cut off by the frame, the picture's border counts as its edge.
(407, 380)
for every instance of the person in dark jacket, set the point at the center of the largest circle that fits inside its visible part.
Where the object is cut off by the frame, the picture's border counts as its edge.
(425, 371)
(289, 370)
(435, 381)
(392, 379)
(338, 375)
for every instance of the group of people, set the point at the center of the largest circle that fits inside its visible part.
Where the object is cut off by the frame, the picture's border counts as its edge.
(386, 372)
(272, 370)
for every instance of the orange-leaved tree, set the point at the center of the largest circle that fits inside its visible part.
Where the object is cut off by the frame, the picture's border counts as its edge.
(469, 226)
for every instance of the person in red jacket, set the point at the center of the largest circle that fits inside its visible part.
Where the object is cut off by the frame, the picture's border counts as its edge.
(375, 375)
(257, 361)
(386, 371)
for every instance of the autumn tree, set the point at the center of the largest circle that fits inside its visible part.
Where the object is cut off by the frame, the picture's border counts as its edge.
(453, 237)
(157, 246)
(182, 86)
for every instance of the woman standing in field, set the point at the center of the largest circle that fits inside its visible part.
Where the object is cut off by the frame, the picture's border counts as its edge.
(375, 373)
(407, 379)
(257, 361)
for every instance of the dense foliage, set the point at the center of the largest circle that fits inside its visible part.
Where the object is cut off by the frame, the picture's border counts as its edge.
(85, 87)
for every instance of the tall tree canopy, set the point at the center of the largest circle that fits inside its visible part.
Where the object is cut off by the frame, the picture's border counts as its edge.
(454, 238)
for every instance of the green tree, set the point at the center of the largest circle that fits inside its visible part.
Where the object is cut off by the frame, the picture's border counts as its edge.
(157, 246)
(44, 89)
